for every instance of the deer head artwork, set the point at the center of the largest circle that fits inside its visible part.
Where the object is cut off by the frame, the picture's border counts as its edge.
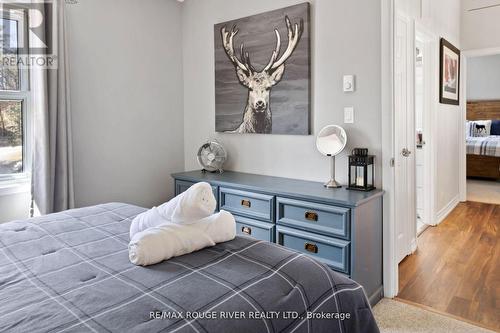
(257, 117)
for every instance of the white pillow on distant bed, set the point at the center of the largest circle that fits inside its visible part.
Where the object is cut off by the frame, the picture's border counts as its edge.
(479, 128)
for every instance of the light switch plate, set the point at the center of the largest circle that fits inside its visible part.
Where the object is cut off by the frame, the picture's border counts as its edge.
(349, 83)
(349, 115)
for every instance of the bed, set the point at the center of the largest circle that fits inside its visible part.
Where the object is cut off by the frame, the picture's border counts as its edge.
(483, 153)
(484, 146)
(69, 272)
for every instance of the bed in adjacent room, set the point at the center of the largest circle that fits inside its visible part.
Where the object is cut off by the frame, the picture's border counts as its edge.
(484, 146)
(483, 139)
(70, 272)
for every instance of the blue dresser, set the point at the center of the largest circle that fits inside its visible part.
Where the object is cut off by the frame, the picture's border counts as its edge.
(339, 227)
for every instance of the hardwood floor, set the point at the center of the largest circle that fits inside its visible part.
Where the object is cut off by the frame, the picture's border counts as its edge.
(456, 269)
(486, 191)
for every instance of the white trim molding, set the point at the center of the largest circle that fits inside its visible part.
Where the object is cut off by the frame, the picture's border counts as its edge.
(413, 246)
(446, 210)
(13, 188)
(462, 148)
(390, 267)
(463, 102)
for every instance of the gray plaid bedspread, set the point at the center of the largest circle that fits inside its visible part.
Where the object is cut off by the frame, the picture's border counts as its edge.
(487, 146)
(69, 272)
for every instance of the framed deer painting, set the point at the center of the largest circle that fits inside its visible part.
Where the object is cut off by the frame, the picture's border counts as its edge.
(262, 73)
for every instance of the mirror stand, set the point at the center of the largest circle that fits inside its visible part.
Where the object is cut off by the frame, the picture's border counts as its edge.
(332, 183)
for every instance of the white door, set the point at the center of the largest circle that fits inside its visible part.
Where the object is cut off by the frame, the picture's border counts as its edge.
(405, 211)
(420, 131)
(425, 96)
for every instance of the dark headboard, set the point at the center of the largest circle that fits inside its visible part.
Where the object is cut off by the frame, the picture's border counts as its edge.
(481, 110)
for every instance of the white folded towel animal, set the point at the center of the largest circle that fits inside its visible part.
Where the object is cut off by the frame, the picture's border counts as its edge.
(169, 240)
(192, 205)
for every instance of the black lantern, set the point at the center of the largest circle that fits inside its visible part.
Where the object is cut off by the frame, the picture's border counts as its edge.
(361, 170)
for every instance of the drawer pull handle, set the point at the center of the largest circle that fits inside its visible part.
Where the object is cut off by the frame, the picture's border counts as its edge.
(311, 216)
(246, 203)
(246, 230)
(313, 248)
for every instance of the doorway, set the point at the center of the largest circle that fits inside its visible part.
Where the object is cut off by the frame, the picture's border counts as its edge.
(481, 107)
(440, 276)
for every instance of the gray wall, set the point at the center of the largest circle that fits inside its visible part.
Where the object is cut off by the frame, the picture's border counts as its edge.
(483, 78)
(345, 40)
(126, 99)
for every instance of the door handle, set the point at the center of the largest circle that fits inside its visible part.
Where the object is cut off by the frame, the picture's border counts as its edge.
(405, 152)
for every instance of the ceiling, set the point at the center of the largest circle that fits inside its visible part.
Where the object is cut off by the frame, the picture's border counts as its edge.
(480, 5)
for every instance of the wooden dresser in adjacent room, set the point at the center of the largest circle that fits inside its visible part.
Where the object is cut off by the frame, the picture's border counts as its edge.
(338, 227)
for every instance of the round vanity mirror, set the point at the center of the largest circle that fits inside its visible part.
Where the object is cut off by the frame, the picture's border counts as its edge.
(331, 141)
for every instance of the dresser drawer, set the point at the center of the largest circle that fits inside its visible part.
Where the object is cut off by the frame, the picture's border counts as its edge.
(333, 252)
(256, 229)
(310, 216)
(249, 204)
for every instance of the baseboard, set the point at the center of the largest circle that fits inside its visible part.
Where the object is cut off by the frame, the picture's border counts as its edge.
(374, 298)
(413, 245)
(446, 210)
(421, 231)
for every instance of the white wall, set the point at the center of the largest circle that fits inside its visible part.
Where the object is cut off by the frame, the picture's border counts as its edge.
(345, 40)
(126, 99)
(14, 203)
(480, 29)
(443, 18)
(483, 78)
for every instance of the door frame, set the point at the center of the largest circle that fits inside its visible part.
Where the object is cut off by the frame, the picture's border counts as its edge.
(390, 268)
(390, 261)
(465, 54)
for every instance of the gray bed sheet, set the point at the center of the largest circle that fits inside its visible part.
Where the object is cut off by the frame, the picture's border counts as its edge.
(69, 272)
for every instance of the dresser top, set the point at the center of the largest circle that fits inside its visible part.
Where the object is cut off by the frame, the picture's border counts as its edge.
(281, 186)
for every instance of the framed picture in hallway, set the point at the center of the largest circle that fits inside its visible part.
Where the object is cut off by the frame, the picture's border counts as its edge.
(262, 73)
(449, 72)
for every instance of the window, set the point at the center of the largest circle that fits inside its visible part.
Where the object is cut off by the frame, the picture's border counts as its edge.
(11, 137)
(14, 98)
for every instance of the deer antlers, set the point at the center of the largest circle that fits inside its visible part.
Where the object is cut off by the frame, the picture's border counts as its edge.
(294, 35)
(293, 39)
(227, 42)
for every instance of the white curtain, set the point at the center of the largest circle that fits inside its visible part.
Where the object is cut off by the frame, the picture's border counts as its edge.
(52, 170)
